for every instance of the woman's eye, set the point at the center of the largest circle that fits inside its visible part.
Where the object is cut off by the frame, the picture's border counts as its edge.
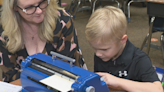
(104, 49)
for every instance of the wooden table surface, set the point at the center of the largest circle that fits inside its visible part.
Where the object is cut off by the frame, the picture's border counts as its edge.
(112, 89)
(156, 1)
(16, 82)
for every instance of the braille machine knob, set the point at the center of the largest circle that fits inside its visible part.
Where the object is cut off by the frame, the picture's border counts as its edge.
(90, 89)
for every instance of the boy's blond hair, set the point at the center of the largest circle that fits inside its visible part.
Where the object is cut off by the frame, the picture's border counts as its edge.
(106, 24)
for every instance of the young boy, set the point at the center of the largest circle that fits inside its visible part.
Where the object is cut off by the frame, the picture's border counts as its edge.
(116, 59)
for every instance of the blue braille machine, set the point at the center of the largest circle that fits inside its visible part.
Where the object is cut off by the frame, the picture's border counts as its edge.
(35, 69)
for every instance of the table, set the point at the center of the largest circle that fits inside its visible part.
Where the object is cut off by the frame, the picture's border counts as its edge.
(155, 7)
(112, 89)
(16, 82)
(155, 1)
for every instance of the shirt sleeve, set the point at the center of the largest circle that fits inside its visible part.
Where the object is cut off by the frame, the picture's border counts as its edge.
(10, 69)
(66, 41)
(146, 71)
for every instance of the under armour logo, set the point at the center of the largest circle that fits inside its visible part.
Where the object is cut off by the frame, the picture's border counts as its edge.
(124, 73)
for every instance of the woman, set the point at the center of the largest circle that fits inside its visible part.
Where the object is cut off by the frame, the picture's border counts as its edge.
(34, 26)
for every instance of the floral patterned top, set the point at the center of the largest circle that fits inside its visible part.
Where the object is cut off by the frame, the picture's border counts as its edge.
(64, 42)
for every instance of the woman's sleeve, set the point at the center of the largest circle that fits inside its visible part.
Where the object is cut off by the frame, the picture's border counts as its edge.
(66, 41)
(8, 65)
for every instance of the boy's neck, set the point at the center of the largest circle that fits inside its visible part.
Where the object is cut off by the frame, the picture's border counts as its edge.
(119, 53)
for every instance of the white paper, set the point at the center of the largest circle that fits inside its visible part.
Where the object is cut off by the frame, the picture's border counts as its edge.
(57, 82)
(160, 76)
(6, 87)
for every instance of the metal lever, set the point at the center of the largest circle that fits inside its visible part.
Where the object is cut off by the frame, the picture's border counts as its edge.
(71, 60)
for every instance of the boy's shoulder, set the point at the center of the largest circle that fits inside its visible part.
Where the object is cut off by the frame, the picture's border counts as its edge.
(134, 53)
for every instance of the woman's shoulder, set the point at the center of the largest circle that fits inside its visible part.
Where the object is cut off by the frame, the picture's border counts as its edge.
(63, 15)
(64, 22)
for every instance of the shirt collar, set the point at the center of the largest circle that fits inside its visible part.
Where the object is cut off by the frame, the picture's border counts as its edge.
(126, 57)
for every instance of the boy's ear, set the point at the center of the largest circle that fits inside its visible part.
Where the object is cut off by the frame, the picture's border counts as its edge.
(124, 39)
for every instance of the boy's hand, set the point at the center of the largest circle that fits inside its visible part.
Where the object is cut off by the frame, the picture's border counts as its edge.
(109, 79)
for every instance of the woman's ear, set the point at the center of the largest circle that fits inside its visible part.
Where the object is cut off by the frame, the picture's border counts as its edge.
(124, 39)
(15, 9)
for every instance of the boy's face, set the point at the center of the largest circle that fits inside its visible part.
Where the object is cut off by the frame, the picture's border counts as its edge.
(107, 51)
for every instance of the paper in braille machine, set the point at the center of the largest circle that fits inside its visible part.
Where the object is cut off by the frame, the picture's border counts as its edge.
(43, 73)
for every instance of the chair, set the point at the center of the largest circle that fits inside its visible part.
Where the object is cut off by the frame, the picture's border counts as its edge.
(156, 25)
(93, 7)
(156, 20)
(129, 6)
(78, 2)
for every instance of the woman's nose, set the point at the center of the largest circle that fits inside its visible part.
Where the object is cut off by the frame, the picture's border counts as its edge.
(38, 10)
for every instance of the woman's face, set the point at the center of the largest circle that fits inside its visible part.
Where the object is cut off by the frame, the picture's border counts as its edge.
(37, 16)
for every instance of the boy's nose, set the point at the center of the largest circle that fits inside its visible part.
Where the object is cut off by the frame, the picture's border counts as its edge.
(98, 54)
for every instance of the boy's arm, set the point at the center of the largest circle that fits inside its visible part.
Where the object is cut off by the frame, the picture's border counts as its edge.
(131, 86)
